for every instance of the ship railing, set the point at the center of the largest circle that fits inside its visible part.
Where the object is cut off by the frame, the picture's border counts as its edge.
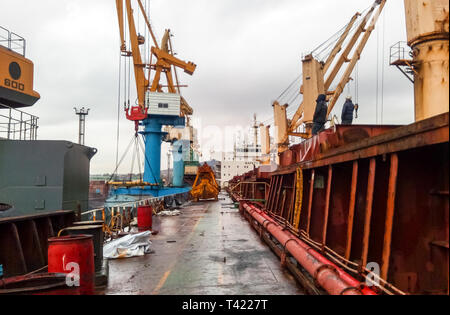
(250, 194)
(400, 52)
(126, 205)
(17, 125)
(401, 56)
(119, 214)
(12, 41)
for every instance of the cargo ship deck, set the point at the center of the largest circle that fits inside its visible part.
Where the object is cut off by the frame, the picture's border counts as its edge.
(209, 249)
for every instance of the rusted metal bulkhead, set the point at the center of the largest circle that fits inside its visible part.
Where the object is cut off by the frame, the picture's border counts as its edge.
(378, 198)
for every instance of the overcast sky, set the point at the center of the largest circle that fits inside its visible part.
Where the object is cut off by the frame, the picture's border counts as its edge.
(247, 53)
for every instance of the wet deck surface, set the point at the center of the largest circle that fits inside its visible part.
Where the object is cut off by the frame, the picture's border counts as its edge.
(208, 249)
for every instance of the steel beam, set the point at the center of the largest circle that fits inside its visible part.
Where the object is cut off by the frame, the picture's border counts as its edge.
(392, 190)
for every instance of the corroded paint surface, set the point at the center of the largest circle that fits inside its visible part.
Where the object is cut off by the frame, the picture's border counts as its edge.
(208, 249)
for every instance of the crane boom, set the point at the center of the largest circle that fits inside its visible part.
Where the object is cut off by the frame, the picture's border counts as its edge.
(356, 56)
(155, 41)
(119, 6)
(165, 61)
(316, 82)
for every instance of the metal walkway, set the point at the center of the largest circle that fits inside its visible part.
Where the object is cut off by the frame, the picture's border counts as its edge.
(208, 249)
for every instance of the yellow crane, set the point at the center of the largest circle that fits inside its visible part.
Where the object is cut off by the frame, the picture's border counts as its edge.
(318, 76)
(157, 105)
(164, 61)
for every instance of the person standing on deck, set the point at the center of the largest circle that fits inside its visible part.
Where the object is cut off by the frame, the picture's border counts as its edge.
(320, 115)
(347, 111)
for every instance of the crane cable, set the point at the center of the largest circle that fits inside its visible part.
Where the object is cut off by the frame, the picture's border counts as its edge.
(129, 78)
(382, 69)
(330, 41)
(380, 74)
(287, 91)
(138, 153)
(357, 83)
(118, 112)
(125, 73)
(120, 96)
(335, 38)
(288, 88)
(122, 159)
(330, 47)
(295, 92)
(135, 158)
(288, 112)
(377, 74)
(332, 38)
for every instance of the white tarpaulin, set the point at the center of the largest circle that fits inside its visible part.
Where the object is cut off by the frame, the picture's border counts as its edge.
(169, 213)
(132, 245)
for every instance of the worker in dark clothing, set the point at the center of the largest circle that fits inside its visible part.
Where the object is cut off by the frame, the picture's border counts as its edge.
(320, 115)
(348, 111)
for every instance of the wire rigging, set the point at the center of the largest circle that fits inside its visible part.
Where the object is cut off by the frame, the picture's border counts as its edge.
(119, 105)
(335, 35)
(383, 69)
(331, 42)
(295, 97)
(292, 94)
(377, 74)
(323, 51)
(289, 87)
(357, 83)
(114, 174)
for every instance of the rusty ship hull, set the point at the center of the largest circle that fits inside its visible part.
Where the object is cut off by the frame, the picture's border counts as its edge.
(378, 197)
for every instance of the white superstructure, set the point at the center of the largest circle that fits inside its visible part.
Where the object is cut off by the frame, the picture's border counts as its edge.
(242, 160)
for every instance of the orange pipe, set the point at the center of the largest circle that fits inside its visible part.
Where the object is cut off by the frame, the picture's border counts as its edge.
(330, 277)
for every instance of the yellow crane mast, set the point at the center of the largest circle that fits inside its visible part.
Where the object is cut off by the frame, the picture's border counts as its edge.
(156, 107)
(318, 77)
(164, 60)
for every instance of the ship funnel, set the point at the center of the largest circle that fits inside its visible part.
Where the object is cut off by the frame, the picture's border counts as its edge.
(427, 23)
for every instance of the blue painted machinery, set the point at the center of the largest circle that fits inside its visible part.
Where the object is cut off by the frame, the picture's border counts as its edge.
(154, 108)
(153, 136)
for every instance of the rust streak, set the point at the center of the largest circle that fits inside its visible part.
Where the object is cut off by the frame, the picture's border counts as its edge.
(389, 216)
(351, 210)
(311, 195)
(369, 206)
(327, 205)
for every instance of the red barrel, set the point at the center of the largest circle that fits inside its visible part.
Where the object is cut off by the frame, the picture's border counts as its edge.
(145, 218)
(67, 252)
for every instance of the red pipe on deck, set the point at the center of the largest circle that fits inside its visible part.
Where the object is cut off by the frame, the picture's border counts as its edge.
(329, 276)
(344, 275)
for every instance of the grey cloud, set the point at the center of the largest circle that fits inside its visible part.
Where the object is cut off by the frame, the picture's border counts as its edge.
(247, 53)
